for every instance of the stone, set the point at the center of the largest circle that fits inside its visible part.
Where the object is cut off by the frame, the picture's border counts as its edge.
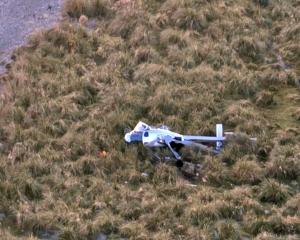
(83, 20)
(101, 236)
(2, 216)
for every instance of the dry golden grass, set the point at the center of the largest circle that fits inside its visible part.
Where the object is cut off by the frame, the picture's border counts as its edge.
(91, 8)
(64, 167)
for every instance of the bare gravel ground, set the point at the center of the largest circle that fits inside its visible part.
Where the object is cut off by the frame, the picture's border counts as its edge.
(18, 18)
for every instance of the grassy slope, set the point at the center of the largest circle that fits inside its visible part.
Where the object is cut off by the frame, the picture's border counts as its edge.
(188, 64)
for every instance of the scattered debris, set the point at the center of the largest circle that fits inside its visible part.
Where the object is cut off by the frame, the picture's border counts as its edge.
(190, 185)
(145, 174)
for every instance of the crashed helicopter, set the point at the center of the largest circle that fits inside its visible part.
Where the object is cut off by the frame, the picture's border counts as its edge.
(161, 137)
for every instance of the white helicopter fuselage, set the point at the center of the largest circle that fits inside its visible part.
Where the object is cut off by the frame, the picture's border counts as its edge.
(162, 137)
(155, 137)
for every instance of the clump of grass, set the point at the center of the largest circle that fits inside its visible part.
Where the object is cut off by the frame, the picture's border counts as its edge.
(88, 95)
(264, 99)
(146, 54)
(238, 146)
(212, 211)
(33, 191)
(164, 174)
(155, 221)
(283, 168)
(203, 215)
(274, 192)
(38, 168)
(227, 230)
(151, 72)
(6, 234)
(18, 115)
(132, 211)
(274, 224)
(9, 192)
(188, 18)
(286, 140)
(215, 171)
(242, 116)
(85, 166)
(296, 114)
(18, 152)
(142, 36)
(125, 23)
(244, 86)
(171, 36)
(133, 230)
(283, 162)
(292, 206)
(58, 128)
(90, 8)
(250, 50)
(246, 172)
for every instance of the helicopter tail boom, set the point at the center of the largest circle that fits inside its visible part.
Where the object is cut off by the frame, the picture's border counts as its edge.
(218, 139)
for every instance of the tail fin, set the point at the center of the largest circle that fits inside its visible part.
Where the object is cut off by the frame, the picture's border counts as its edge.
(219, 134)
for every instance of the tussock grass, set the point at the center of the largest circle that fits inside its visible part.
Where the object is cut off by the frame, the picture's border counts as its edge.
(264, 98)
(227, 230)
(171, 36)
(292, 207)
(90, 8)
(247, 172)
(64, 166)
(274, 192)
(250, 50)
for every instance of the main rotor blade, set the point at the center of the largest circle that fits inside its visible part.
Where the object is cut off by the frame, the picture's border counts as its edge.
(203, 138)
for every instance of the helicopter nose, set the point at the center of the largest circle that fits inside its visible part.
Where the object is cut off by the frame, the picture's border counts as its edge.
(127, 137)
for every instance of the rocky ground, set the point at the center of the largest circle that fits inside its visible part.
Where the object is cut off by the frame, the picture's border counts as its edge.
(19, 18)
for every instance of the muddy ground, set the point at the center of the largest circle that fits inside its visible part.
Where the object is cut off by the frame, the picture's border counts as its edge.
(18, 18)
